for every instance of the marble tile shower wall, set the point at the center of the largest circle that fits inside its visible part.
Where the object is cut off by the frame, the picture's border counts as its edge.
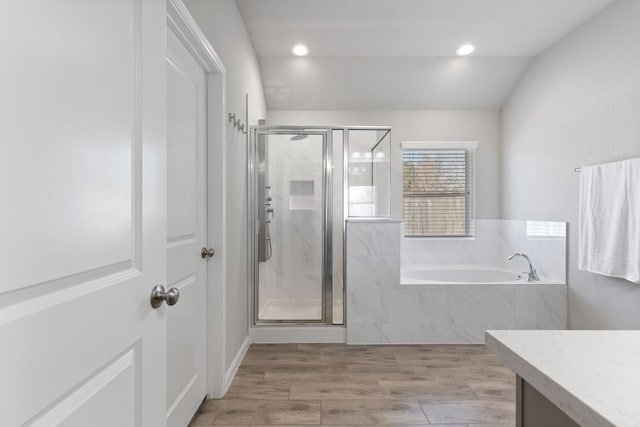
(543, 241)
(294, 272)
(483, 249)
(382, 311)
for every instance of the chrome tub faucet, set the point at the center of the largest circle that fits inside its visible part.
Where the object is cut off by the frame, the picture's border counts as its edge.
(532, 275)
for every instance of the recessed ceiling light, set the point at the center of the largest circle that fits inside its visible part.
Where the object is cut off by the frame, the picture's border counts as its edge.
(465, 49)
(300, 50)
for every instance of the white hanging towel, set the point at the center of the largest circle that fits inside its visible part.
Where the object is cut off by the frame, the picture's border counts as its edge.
(609, 224)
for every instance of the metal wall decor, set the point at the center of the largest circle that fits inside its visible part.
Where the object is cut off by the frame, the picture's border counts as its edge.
(237, 123)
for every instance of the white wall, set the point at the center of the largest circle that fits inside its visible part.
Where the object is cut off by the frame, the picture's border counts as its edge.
(222, 24)
(578, 104)
(482, 126)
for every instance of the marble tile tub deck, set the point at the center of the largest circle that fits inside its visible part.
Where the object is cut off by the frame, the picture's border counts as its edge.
(340, 385)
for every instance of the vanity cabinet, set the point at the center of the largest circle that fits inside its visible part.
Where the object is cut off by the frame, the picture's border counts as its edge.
(535, 410)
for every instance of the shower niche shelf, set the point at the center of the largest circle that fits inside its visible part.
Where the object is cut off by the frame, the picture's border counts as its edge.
(301, 195)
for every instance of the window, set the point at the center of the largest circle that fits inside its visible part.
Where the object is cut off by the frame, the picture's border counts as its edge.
(546, 230)
(438, 188)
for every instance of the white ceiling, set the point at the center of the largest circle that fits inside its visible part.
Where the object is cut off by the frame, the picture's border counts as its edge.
(397, 54)
(389, 83)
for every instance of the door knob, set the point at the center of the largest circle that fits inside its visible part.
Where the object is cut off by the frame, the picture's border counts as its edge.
(158, 296)
(207, 252)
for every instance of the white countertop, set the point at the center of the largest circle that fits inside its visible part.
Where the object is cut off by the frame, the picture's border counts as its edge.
(593, 376)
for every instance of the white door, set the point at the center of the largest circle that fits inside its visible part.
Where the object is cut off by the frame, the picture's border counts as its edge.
(186, 232)
(82, 213)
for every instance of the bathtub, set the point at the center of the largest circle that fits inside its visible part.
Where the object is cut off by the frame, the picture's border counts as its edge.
(430, 291)
(461, 275)
(451, 304)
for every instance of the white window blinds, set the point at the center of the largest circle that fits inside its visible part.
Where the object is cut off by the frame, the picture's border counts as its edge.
(438, 188)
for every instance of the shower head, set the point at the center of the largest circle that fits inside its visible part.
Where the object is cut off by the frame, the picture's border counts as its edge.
(298, 137)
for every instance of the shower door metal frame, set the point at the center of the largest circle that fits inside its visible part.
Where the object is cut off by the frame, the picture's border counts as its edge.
(252, 175)
(327, 219)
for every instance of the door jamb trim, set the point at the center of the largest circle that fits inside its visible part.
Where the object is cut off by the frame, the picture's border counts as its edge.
(180, 21)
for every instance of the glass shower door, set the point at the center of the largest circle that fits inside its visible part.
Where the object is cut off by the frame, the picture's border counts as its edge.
(292, 227)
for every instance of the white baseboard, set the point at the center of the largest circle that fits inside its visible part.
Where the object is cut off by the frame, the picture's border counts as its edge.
(280, 335)
(235, 364)
(297, 334)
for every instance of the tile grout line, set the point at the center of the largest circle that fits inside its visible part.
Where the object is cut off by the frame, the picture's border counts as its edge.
(218, 410)
(424, 412)
(417, 361)
(215, 416)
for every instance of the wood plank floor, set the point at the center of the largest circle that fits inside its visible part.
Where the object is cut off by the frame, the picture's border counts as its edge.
(340, 385)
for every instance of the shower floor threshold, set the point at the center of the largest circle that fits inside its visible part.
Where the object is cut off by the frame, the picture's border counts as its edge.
(296, 310)
(290, 309)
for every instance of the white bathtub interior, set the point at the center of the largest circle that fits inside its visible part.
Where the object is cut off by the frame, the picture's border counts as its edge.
(459, 274)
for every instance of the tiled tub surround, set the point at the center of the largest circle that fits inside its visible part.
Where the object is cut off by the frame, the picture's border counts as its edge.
(381, 310)
(495, 240)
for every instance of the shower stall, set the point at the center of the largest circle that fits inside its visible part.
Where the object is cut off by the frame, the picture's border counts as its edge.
(304, 182)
